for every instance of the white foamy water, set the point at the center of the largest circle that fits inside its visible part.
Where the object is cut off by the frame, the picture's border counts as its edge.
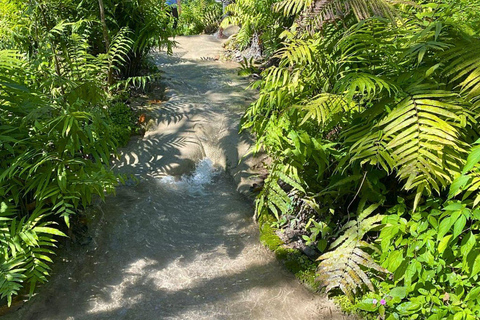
(195, 182)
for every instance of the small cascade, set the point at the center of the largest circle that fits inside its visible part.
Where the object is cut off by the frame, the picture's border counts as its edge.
(195, 182)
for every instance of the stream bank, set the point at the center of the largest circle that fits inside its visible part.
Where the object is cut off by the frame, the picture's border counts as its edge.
(181, 243)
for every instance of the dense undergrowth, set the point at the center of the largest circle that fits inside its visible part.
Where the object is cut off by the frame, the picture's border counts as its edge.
(64, 68)
(369, 112)
(199, 16)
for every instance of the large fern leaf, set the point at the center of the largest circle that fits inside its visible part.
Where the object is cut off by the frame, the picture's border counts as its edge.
(464, 68)
(420, 139)
(343, 266)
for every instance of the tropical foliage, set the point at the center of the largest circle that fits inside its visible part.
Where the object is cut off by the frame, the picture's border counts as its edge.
(372, 104)
(59, 122)
(260, 25)
(199, 16)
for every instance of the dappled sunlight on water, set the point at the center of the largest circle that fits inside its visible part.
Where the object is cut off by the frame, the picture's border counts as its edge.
(179, 241)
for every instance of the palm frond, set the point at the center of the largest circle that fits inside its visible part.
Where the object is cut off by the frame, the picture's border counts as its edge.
(363, 84)
(292, 7)
(26, 252)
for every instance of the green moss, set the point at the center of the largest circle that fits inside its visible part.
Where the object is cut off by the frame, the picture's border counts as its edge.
(300, 265)
(294, 260)
(268, 237)
(345, 304)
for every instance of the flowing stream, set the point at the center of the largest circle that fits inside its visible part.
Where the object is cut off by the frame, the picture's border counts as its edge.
(180, 242)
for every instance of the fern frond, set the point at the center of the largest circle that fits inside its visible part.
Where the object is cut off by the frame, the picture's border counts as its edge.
(297, 52)
(25, 249)
(323, 107)
(343, 266)
(273, 196)
(464, 68)
(420, 139)
(364, 84)
(119, 48)
(292, 7)
(324, 11)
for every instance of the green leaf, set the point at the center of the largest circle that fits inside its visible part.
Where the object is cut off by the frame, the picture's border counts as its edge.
(322, 245)
(445, 226)
(476, 267)
(3, 208)
(50, 231)
(395, 260)
(410, 273)
(408, 308)
(458, 316)
(457, 185)
(444, 243)
(454, 206)
(472, 160)
(459, 225)
(367, 305)
(467, 244)
(399, 292)
(474, 294)
(421, 53)
(432, 69)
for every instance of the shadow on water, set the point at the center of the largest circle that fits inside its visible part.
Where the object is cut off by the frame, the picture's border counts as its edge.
(163, 252)
(200, 93)
(167, 249)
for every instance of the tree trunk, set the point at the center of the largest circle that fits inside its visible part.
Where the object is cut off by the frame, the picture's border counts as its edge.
(104, 24)
(105, 36)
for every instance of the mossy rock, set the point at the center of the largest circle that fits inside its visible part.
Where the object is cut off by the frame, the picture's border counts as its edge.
(268, 237)
(294, 260)
(300, 265)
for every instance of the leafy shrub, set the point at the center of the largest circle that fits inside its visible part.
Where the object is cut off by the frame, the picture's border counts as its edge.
(123, 122)
(434, 258)
(260, 24)
(53, 158)
(145, 22)
(357, 111)
(57, 135)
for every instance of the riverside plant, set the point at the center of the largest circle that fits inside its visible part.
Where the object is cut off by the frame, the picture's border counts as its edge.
(369, 112)
(59, 75)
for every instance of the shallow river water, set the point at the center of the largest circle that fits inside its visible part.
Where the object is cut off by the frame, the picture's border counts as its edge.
(180, 243)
